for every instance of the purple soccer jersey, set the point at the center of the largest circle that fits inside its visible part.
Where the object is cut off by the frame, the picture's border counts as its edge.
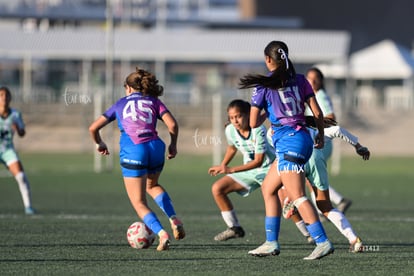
(284, 106)
(137, 117)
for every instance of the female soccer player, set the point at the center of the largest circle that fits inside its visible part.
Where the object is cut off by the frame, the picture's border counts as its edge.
(282, 95)
(317, 81)
(317, 174)
(141, 150)
(10, 122)
(243, 179)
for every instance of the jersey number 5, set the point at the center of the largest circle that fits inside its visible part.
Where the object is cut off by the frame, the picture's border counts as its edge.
(138, 111)
(291, 100)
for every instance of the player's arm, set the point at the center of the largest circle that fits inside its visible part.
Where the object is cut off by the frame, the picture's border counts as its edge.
(340, 132)
(94, 129)
(262, 118)
(172, 126)
(330, 116)
(317, 114)
(255, 163)
(18, 125)
(222, 168)
(20, 131)
(256, 119)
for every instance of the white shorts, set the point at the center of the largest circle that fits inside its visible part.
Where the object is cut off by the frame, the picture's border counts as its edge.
(8, 157)
(250, 180)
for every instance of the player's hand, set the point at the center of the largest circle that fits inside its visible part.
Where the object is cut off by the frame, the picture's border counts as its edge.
(102, 148)
(215, 170)
(364, 152)
(172, 151)
(319, 141)
(328, 122)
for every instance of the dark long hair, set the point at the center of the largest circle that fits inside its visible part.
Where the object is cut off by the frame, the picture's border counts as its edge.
(8, 93)
(281, 77)
(320, 75)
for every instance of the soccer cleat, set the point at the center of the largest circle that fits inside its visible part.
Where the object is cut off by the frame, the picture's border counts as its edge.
(230, 233)
(344, 205)
(289, 209)
(164, 243)
(29, 211)
(266, 249)
(177, 228)
(356, 246)
(321, 250)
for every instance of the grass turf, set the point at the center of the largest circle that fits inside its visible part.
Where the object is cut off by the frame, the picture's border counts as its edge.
(83, 217)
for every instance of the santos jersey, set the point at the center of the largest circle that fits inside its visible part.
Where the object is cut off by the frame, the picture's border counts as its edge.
(6, 128)
(284, 106)
(255, 143)
(137, 118)
(324, 102)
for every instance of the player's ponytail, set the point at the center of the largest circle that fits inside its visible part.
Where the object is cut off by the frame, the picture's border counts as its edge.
(281, 77)
(144, 82)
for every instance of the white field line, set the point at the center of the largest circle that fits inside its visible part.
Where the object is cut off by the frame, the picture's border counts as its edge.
(385, 219)
(124, 217)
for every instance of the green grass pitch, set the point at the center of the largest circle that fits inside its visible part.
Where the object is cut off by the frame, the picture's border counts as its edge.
(83, 218)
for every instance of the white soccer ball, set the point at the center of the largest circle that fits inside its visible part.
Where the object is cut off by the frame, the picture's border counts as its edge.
(140, 236)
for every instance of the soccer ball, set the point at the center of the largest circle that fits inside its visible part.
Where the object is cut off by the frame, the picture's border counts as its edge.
(140, 236)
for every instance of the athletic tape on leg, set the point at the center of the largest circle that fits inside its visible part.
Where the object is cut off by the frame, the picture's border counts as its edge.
(299, 201)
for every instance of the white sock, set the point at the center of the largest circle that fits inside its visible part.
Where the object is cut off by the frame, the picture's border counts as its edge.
(24, 188)
(335, 197)
(230, 218)
(343, 225)
(302, 228)
(313, 200)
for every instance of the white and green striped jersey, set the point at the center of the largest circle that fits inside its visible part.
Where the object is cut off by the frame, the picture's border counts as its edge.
(6, 129)
(324, 102)
(255, 143)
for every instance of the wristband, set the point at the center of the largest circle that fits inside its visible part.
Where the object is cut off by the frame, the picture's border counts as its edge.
(101, 144)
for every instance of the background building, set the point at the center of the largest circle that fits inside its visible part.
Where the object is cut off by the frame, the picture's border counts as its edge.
(367, 22)
(64, 60)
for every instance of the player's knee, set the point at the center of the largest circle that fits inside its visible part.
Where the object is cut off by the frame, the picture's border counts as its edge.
(151, 186)
(297, 202)
(216, 188)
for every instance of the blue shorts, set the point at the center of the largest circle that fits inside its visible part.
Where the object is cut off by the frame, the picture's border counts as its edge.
(293, 148)
(146, 158)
